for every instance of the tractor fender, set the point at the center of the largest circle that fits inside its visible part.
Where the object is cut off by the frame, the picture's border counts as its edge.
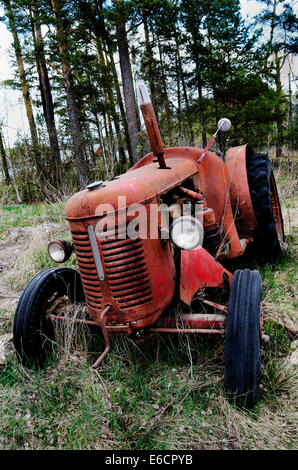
(213, 180)
(198, 269)
(239, 190)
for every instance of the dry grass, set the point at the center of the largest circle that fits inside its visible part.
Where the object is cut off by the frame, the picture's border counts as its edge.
(147, 395)
(157, 392)
(139, 401)
(73, 339)
(286, 176)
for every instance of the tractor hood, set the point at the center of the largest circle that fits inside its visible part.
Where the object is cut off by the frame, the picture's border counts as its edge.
(139, 186)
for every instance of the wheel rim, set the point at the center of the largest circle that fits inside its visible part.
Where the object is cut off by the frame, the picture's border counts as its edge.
(276, 210)
(47, 329)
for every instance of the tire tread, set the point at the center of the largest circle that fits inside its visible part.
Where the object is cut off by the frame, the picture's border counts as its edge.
(243, 362)
(266, 242)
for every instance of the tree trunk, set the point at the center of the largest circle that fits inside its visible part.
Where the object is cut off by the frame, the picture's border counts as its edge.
(120, 102)
(47, 100)
(72, 108)
(188, 113)
(165, 93)
(108, 152)
(277, 70)
(101, 141)
(127, 82)
(10, 164)
(24, 85)
(149, 64)
(109, 100)
(279, 121)
(202, 114)
(4, 160)
(178, 101)
(102, 38)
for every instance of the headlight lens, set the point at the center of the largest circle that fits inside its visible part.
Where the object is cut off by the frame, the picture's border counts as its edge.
(60, 250)
(187, 233)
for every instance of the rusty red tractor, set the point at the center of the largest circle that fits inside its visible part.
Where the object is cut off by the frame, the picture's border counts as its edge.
(198, 210)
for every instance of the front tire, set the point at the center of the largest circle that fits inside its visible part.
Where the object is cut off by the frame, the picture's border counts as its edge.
(33, 332)
(243, 357)
(269, 237)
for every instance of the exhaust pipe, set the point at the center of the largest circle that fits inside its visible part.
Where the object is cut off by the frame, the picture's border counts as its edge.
(151, 125)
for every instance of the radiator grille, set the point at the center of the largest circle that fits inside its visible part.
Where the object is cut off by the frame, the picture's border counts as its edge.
(87, 269)
(127, 272)
(125, 269)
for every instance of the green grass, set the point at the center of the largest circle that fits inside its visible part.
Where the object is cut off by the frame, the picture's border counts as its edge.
(26, 215)
(58, 406)
(280, 286)
(147, 394)
(33, 256)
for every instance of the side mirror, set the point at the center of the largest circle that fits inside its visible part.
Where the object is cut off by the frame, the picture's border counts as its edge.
(224, 124)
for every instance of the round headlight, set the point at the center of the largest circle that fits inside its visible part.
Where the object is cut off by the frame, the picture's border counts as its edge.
(187, 233)
(60, 250)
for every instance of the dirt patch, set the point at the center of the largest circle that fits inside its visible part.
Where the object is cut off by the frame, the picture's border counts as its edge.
(283, 314)
(15, 245)
(6, 347)
(20, 235)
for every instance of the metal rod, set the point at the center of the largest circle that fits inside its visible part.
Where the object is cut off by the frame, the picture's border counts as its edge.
(76, 320)
(185, 330)
(209, 145)
(106, 337)
(88, 322)
(222, 308)
(192, 194)
(193, 321)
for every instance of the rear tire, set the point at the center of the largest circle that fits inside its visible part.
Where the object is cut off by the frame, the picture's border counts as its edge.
(269, 237)
(243, 357)
(33, 332)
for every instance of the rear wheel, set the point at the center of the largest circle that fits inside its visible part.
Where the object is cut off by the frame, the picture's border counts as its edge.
(243, 357)
(33, 330)
(269, 238)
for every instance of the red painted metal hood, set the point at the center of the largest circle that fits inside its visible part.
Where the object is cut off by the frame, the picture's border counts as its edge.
(139, 185)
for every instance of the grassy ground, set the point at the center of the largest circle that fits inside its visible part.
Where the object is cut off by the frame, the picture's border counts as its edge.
(26, 215)
(158, 392)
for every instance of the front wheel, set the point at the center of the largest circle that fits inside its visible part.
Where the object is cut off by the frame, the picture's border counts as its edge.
(243, 356)
(33, 330)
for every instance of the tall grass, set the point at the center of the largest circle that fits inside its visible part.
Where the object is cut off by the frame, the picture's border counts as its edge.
(153, 392)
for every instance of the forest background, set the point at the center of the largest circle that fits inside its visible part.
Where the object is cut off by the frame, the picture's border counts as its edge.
(77, 62)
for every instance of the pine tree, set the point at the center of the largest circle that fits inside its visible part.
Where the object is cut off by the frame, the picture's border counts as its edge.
(126, 75)
(24, 84)
(46, 92)
(73, 114)
(282, 42)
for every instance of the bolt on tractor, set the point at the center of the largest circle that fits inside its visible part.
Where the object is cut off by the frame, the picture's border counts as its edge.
(160, 234)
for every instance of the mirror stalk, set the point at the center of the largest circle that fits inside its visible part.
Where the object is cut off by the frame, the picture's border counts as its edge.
(223, 125)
